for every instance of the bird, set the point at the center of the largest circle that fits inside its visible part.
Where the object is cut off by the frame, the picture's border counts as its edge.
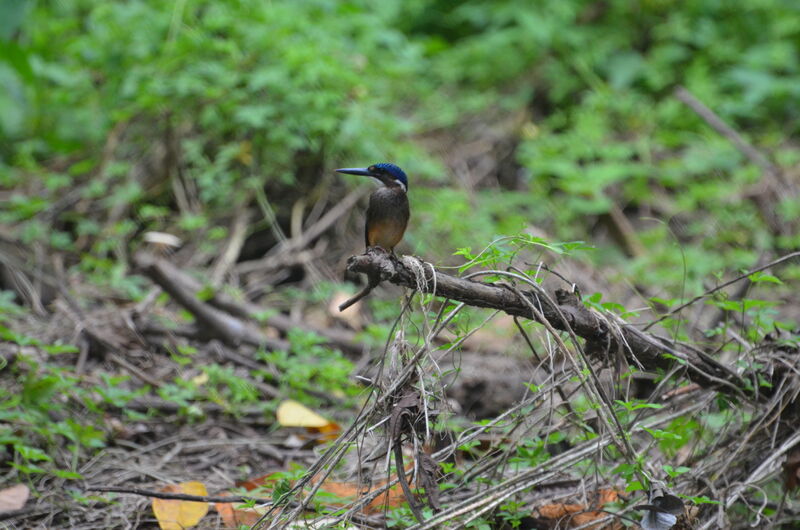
(388, 210)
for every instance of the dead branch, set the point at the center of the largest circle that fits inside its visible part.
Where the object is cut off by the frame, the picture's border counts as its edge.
(372, 282)
(716, 123)
(296, 244)
(161, 270)
(223, 326)
(228, 257)
(145, 403)
(177, 496)
(564, 313)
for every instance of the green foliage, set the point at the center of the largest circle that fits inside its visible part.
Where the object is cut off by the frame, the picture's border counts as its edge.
(227, 388)
(244, 101)
(246, 92)
(28, 428)
(310, 365)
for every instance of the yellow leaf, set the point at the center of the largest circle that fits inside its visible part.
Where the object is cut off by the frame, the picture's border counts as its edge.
(293, 414)
(201, 379)
(179, 515)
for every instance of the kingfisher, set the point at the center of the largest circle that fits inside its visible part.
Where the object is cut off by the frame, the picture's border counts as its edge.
(388, 213)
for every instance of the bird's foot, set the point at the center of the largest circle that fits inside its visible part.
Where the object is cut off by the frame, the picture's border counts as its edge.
(380, 249)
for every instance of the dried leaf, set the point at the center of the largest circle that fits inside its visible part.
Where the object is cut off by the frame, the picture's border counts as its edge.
(345, 491)
(179, 515)
(234, 516)
(559, 510)
(293, 414)
(577, 515)
(607, 496)
(267, 480)
(14, 498)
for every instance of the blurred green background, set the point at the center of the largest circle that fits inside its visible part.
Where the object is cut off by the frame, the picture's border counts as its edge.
(554, 117)
(539, 124)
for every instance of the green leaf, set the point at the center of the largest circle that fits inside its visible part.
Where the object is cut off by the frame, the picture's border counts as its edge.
(32, 453)
(760, 277)
(70, 475)
(634, 486)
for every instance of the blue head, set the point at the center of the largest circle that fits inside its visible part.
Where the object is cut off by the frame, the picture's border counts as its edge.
(389, 174)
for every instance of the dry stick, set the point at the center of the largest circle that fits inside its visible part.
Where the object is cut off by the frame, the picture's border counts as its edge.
(760, 472)
(313, 232)
(593, 385)
(74, 313)
(728, 132)
(497, 494)
(236, 240)
(328, 220)
(401, 477)
(335, 452)
(755, 157)
(630, 241)
(722, 286)
(564, 401)
(144, 404)
(752, 154)
(342, 339)
(641, 347)
(78, 316)
(372, 283)
(231, 330)
(32, 511)
(177, 496)
(374, 277)
(736, 295)
(142, 375)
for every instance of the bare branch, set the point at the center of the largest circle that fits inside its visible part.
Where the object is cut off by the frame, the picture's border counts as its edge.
(177, 496)
(566, 313)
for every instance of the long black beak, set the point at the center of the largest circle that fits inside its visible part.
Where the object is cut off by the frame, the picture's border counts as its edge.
(356, 171)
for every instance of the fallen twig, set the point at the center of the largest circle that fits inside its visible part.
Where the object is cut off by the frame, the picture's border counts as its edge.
(177, 496)
(228, 257)
(163, 270)
(724, 285)
(295, 244)
(224, 326)
(716, 123)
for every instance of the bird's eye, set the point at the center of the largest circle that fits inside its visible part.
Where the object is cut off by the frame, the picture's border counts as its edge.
(372, 169)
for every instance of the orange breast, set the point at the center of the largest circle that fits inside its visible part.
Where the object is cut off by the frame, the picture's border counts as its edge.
(385, 234)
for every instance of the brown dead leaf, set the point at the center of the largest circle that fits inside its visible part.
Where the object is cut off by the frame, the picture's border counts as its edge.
(264, 481)
(346, 492)
(575, 515)
(559, 510)
(234, 517)
(607, 496)
(14, 498)
(179, 515)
